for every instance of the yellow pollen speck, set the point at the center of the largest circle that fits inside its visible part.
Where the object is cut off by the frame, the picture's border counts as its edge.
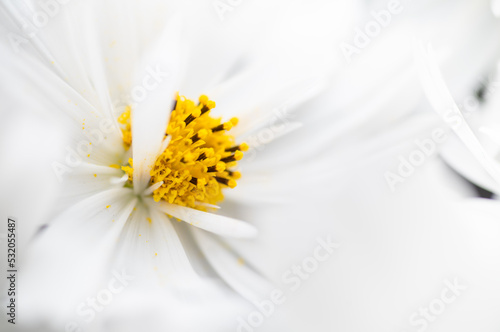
(241, 261)
(139, 234)
(197, 163)
(95, 175)
(107, 206)
(149, 220)
(88, 155)
(156, 254)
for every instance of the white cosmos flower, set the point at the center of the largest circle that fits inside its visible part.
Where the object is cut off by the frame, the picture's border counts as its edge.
(473, 148)
(84, 68)
(473, 152)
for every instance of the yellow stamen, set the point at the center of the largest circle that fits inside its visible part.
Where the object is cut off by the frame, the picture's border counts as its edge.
(129, 169)
(124, 119)
(244, 147)
(195, 166)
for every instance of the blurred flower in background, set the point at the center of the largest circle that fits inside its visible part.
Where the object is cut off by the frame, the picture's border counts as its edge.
(356, 219)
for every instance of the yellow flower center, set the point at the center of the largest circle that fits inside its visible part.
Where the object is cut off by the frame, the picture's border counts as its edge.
(195, 166)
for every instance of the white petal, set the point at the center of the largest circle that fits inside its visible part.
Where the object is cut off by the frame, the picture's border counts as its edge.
(154, 92)
(152, 188)
(456, 154)
(73, 254)
(495, 7)
(232, 269)
(205, 307)
(150, 248)
(214, 223)
(443, 103)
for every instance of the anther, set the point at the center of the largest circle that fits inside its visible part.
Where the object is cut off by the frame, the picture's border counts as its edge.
(202, 156)
(195, 138)
(236, 156)
(218, 128)
(189, 119)
(199, 135)
(220, 167)
(241, 147)
(204, 109)
(192, 116)
(226, 182)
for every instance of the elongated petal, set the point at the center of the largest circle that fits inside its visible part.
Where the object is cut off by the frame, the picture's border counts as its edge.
(72, 254)
(152, 99)
(149, 246)
(233, 269)
(443, 103)
(214, 223)
(462, 160)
